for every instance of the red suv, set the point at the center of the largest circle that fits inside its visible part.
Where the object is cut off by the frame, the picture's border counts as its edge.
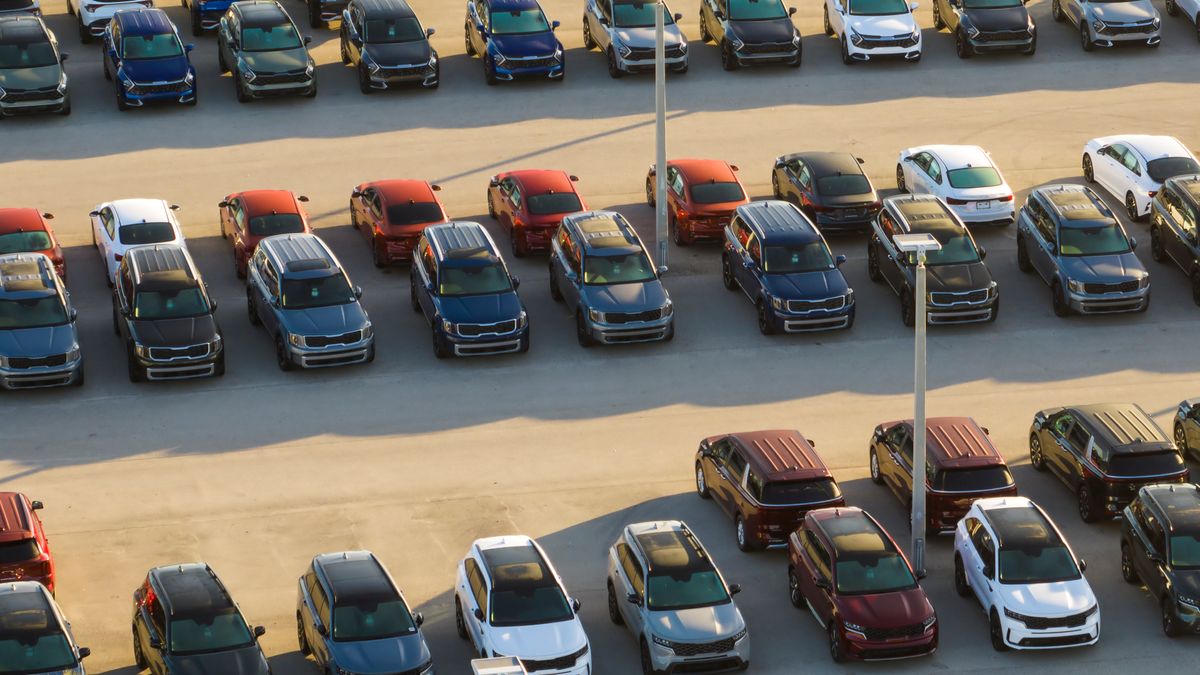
(702, 195)
(26, 231)
(531, 204)
(766, 481)
(845, 568)
(392, 214)
(250, 216)
(24, 548)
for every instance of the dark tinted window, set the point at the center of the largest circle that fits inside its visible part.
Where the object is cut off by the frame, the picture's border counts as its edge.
(558, 202)
(209, 631)
(520, 21)
(1145, 464)
(364, 619)
(800, 491)
(1032, 564)
(798, 258)
(717, 193)
(972, 480)
(276, 223)
(27, 51)
(878, 7)
(840, 186)
(1101, 240)
(414, 213)
(171, 304)
(381, 31)
(21, 242)
(161, 46)
(618, 269)
(637, 14)
(270, 38)
(1162, 169)
(482, 279)
(1185, 550)
(750, 10)
(146, 233)
(957, 248)
(318, 292)
(974, 177)
(32, 313)
(18, 551)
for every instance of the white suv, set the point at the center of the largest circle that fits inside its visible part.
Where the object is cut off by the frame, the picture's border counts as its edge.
(510, 601)
(1014, 559)
(874, 29)
(94, 14)
(1133, 167)
(962, 175)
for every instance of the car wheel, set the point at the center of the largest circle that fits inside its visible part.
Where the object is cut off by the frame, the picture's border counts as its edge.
(581, 331)
(1087, 504)
(873, 271)
(908, 310)
(837, 649)
(614, 610)
(1085, 39)
(846, 57)
(364, 80)
(962, 46)
(1172, 8)
(116, 322)
(588, 42)
(794, 592)
(1023, 262)
(1128, 572)
(491, 205)
(647, 664)
(1089, 173)
(614, 70)
(997, 632)
(766, 319)
(1059, 301)
(250, 313)
(1170, 624)
(938, 23)
(136, 374)
(651, 192)
(412, 296)
(221, 64)
(85, 34)
(379, 253)
(460, 626)
(301, 638)
(519, 244)
(701, 484)
(960, 578)
(1036, 459)
(746, 540)
(1032, 48)
(1156, 244)
(122, 104)
(242, 95)
(901, 184)
(705, 36)
(197, 26)
(825, 16)
(440, 348)
(489, 72)
(677, 235)
(728, 59)
(70, 9)
(555, 292)
(1056, 11)
(282, 358)
(876, 477)
(1181, 440)
(104, 67)
(778, 193)
(345, 53)
(727, 278)
(1196, 288)
(139, 658)
(1131, 207)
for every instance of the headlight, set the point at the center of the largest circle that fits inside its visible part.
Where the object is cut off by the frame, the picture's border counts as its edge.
(777, 303)
(854, 628)
(433, 60)
(428, 669)
(247, 74)
(143, 352)
(558, 53)
(667, 309)
(796, 39)
(855, 38)
(2, 93)
(447, 326)
(73, 353)
(3, 361)
(1188, 601)
(850, 297)
(1074, 286)
(993, 289)
(928, 623)
(368, 331)
(972, 32)
(500, 59)
(125, 80)
(62, 85)
(522, 319)
(1030, 27)
(662, 642)
(741, 634)
(215, 343)
(1144, 282)
(1099, 26)
(309, 69)
(625, 50)
(296, 340)
(1157, 22)
(738, 44)
(189, 78)
(683, 47)
(596, 316)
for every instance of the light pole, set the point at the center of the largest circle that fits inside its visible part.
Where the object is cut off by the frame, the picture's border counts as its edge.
(920, 245)
(660, 133)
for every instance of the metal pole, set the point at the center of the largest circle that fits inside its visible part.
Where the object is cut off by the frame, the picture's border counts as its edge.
(918, 497)
(660, 134)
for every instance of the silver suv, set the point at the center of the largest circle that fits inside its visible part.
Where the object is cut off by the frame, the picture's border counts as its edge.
(1104, 23)
(624, 31)
(664, 586)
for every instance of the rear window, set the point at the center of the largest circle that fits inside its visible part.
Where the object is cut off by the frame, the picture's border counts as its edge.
(843, 185)
(19, 551)
(717, 193)
(1145, 464)
(800, 491)
(558, 202)
(276, 223)
(146, 233)
(414, 213)
(974, 177)
(979, 479)
(24, 242)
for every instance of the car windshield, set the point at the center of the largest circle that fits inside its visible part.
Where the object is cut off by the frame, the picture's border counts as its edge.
(752, 10)
(519, 22)
(873, 572)
(878, 7)
(638, 14)
(1168, 167)
(270, 38)
(209, 633)
(1037, 564)
(161, 46)
(385, 31)
(626, 268)
(176, 303)
(800, 491)
(843, 185)
(31, 639)
(556, 202)
(797, 258)
(974, 177)
(19, 551)
(1101, 240)
(485, 279)
(317, 292)
(146, 233)
(415, 213)
(32, 312)
(1145, 463)
(33, 51)
(684, 588)
(1185, 551)
(979, 479)
(957, 249)
(21, 242)
(717, 193)
(276, 223)
(371, 620)
(532, 603)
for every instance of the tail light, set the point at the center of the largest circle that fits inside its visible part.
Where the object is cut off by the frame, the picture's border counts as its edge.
(819, 208)
(876, 205)
(91, 8)
(1152, 193)
(956, 202)
(1006, 198)
(118, 257)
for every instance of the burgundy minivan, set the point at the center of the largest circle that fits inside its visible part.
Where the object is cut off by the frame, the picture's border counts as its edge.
(24, 548)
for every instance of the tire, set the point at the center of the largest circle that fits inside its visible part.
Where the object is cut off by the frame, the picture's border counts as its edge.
(727, 279)
(746, 542)
(282, 359)
(873, 272)
(70, 9)
(825, 16)
(116, 322)
(938, 23)
(589, 43)
(1181, 441)
(701, 484)
(122, 105)
(520, 247)
(489, 74)
(1023, 262)
(837, 649)
(647, 664)
(705, 36)
(651, 192)
(614, 610)
(250, 313)
(555, 291)
(197, 26)
(85, 35)
(1172, 8)
(491, 205)
(379, 254)
(1157, 251)
(221, 64)
(1131, 208)
(460, 626)
(678, 236)
(136, 374)
(1036, 459)
(908, 310)
(581, 332)
(1196, 288)
(794, 593)
(960, 578)
(139, 658)
(847, 59)
(775, 191)
(364, 81)
(996, 631)
(1056, 11)
(1128, 571)
(962, 46)
(344, 53)
(876, 476)
(301, 638)
(1085, 39)
(1088, 509)
(412, 297)
(440, 349)
(469, 47)
(614, 70)
(1058, 301)
(1089, 173)
(766, 318)
(729, 61)
(901, 184)
(1170, 622)
(104, 67)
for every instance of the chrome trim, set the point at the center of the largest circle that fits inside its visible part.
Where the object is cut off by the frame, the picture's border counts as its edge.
(487, 349)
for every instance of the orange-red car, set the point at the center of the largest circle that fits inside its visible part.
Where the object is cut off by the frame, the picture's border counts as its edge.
(248, 217)
(392, 214)
(531, 204)
(24, 549)
(701, 197)
(25, 230)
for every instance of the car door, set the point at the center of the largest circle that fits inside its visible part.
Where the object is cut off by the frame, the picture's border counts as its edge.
(934, 173)
(676, 189)
(425, 270)
(107, 240)
(476, 594)
(572, 286)
(1110, 171)
(1177, 227)
(1044, 252)
(735, 477)
(902, 458)
(1078, 446)
(1144, 549)
(890, 264)
(823, 580)
(717, 473)
(1074, 9)
(479, 25)
(835, 10)
(982, 571)
(376, 219)
(749, 275)
(268, 295)
(600, 17)
(633, 580)
(1053, 440)
(321, 624)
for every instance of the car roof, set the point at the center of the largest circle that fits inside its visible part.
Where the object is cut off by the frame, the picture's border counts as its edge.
(604, 230)
(669, 545)
(16, 520)
(260, 13)
(300, 255)
(1018, 522)
(958, 442)
(144, 21)
(461, 240)
(1123, 426)
(852, 531)
(20, 27)
(781, 455)
(1150, 147)
(190, 588)
(162, 267)
(1075, 204)
(514, 561)
(28, 606)
(827, 163)
(923, 213)
(1189, 185)
(505, 5)
(264, 202)
(957, 156)
(403, 190)
(354, 576)
(778, 222)
(1179, 503)
(129, 211)
(696, 170)
(397, 9)
(26, 275)
(23, 219)
(542, 181)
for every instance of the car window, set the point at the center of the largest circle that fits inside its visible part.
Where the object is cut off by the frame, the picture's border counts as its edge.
(320, 602)
(984, 544)
(271, 277)
(935, 170)
(482, 13)
(804, 177)
(741, 232)
(887, 224)
(1079, 438)
(737, 465)
(1154, 532)
(1042, 221)
(1062, 425)
(755, 250)
(721, 450)
(632, 568)
(818, 554)
(428, 263)
(478, 588)
(106, 219)
(1130, 160)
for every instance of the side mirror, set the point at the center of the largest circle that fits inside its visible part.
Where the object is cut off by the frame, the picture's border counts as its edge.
(791, 11)
(155, 642)
(823, 584)
(188, 47)
(720, 15)
(1082, 565)
(734, 589)
(1053, 249)
(94, 214)
(634, 598)
(223, 205)
(302, 198)
(479, 27)
(435, 187)
(573, 178)
(603, 21)
(1191, 236)
(358, 292)
(982, 253)
(478, 614)
(322, 630)
(260, 631)
(908, 158)
(429, 32)
(662, 269)
(734, 167)
(418, 619)
(37, 506)
(812, 442)
(554, 25)
(63, 56)
(494, 182)
(275, 303)
(575, 604)
(1154, 558)
(307, 39)
(174, 207)
(1133, 243)
(840, 260)
(837, 6)
(516, 281)
(860, 160)
(986, 431)
(912, 6)
(678, 16)
(356, 193)
(921, 575)
(84, 652)
(212, 302)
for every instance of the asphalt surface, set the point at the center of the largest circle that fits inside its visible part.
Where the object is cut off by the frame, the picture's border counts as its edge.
(414, 458)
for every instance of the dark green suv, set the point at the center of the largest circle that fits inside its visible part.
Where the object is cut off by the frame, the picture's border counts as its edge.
(258, 43)
(1160, 547)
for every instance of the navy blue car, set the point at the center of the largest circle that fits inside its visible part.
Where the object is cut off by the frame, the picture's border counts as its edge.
(148, 61)
(206, 14)
(460, 283)
(775, 254)
(514, 39)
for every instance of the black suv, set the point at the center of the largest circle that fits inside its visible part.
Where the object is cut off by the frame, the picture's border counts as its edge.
(384, 41)
(165, 316)
(1104, 453)
(1175, 212)
(750, 32)
(1187, 428)
(1160, 547)
(986, 26)
(959, 286)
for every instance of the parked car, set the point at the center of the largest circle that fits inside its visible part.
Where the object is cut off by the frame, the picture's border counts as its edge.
(147, 61)
(384, 41)
(701, 197)
(1187, 428)
(35, 636)
(165, 316)
(510, 601)
(94, 15)
(460, 283)
(1107, 23)
(298, 291)
(751, 32)
(1012, 557)
(602, 271)
(766, 481)
(829, 187)
(846, 569)
(259, 44)
(665, 588)
(31, 68)
(185, 621)
(352, 617)
(392, 214)
(322, 12)
(39, 342)
(870, 30)
(1190, 9)
(623, 30)
(1175, 211)
(1132, 167)
(1081, 250)
(120, 225)
(205, 15)
(1160, 547)
(783, 265)
(25, 553)
(1104, 453)
(21, 8)
(964, 176)
(249, 217)
(961, 465)
(959, 287)
(514, 40)
(986, 26)
(25, 230)
(530, 205)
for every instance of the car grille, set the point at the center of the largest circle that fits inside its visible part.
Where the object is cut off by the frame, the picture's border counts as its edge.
(168, 353)
(628, 317)
(403, 71)
(945, 298)
(698, 648)
(473, 329)
(1125, 29)
(326, 340)
(810, 305)
(876, 41)
(32, 95)
(1003, 36)
(560, 663)
(893, 633)
(282, 78)
(1042, 623)
(536, 62)
(672, 52)
(41, 362)
(160, 87)
(768, 48)
(1123, 287)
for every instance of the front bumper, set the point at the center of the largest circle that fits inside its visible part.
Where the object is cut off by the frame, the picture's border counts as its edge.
(883, 49)
(332, 355)
(386, 77)
(1187, 617)
(1108, 303)
(752, 55)
(41, 376)
(962, 311)
(1018, 636)
(180, 368)
(583, 666)
(1009, 41)
(169, 92)
(646, 65)
(37, 102)
(859, 648)
(258, 90)
(670, 661)
(1111, 38)
(814, 320)
(537, 66)
(488, 344)
(634, 331)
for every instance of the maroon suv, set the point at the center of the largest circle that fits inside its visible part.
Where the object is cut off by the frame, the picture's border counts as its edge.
(24, 548)
(845, 568)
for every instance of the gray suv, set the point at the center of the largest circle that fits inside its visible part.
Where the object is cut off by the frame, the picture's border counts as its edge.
(297, 289)
(664, 587)
(1105, 23)
(624, 31)
(39, 346)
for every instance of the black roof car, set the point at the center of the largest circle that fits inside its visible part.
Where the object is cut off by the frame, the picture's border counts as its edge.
(190, 590)
(385, 9)
(671, 551)
(1123, 427)
(1160, 547)
(261, 13)
(830, 187)
(1022, 528)
(778, 223)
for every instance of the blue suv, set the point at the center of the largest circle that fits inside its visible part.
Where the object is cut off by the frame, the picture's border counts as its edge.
(143, 53)
(514, 39)
(39, 345)
(297, 289)
(460, 283)
(775, 254)
(206, 14)
(1078, 247)
(601, 270)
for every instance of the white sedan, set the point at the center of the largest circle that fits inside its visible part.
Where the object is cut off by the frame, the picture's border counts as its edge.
(963, 176)
(1132, 167)
(120, 225)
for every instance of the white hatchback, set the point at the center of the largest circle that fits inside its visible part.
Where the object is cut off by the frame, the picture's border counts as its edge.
(120, 225)
(964, 176)
(1132, 167)
(874, 29)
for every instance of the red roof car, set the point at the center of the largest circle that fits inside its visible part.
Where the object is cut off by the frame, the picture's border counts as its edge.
(392, 214)
(24, 548)
(531, 204)
(252, 215)
(701, 197)
(26, 231)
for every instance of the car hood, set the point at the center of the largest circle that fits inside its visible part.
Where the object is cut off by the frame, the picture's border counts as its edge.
(245, 661)
(807, 285)
(375, 656)
(966, 277)
(539, 641)
(885, 610)
(331, 320)
(175, 332)
(999, 18)
(1187, 582)
(1124, 12)
(626, 297)
(481, 308)
(892, 24)
(697, 624)
(19, 79)
(276, 62)
(772, 30)
(533, 44)
(156, 70)
(38, 342)
(1103, 268)
(400, 53)
(1053, 599)
(643, 37)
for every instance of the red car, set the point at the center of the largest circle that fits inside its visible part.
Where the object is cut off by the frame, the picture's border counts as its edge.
(24, 548)
(531, 204)
(252, 215)
(392, 214)
(26, 231)
(701, 197)
(845, 568)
